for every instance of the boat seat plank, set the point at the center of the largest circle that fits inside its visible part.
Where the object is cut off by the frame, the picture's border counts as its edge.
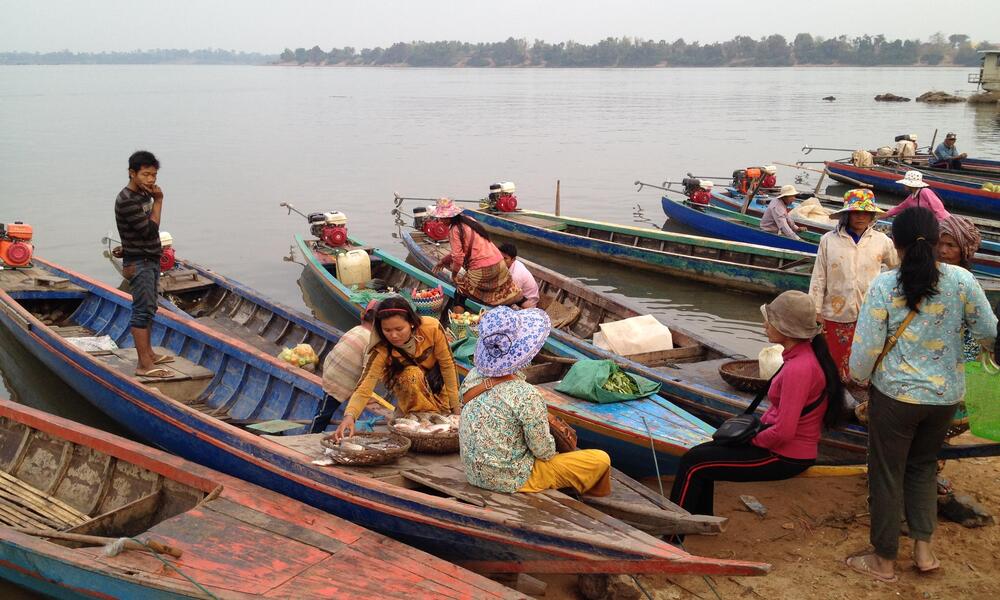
(34, 279)
(68, 331)
(277, 526)
(182, 369)
(121, 518)
(538, 222)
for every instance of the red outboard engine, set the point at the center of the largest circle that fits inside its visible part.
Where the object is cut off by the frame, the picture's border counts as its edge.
(436, 229)
(15, 245)
(698, 191)
(329, 227)
(168, 260)
(502, 198)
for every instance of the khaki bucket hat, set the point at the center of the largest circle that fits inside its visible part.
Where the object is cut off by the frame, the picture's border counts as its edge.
(793, 313)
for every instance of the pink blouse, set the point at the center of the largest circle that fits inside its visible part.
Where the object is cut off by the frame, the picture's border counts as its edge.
(481, 252)
(800, 383)
(924, 197)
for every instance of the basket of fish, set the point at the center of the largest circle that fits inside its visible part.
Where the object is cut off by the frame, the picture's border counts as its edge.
(429, 433)
(366, 449)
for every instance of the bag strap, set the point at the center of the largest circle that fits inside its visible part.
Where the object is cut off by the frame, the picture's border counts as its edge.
(483, 386)
(891, 341)
(760, 397)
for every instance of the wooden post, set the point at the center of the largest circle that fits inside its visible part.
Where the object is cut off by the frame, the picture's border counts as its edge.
(930, 149)
(557, 197)
(820, 182)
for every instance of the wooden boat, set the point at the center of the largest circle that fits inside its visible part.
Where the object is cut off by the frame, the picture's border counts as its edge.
(731, 199)
(695, 386)
(738, 266)
(959, 195)
(66, 487)
(619, 428)
(220, 385)
(713, 220)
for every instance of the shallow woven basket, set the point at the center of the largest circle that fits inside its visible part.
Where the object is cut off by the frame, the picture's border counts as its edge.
(391, 447)
(743, 375)
(429, 443)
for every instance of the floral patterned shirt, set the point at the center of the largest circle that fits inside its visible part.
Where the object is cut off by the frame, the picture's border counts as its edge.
(926, 364)
(502, 432)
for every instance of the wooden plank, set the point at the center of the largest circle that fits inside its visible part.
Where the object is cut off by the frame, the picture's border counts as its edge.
(274, 525)
(121, 517)
(442, 486)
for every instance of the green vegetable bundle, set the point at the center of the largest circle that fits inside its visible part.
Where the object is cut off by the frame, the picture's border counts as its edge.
(621, 383)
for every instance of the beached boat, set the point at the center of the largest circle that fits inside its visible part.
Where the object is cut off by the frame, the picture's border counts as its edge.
(621, 429)
(694, 386)
(713, 220)
(219, 386)
(68, 490)
(744, 267)
(960, 195)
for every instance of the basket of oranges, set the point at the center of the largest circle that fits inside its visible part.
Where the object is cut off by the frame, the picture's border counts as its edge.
(462, 322)
(429, 302)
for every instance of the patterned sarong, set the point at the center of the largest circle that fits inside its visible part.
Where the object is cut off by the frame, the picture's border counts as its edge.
(839, 337)
(490, 285)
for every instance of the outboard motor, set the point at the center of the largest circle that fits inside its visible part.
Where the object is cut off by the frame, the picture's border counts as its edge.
(15, 245)
(698, 191)
(434, 228)
(329, 227)
(502, 198)
(168, 259)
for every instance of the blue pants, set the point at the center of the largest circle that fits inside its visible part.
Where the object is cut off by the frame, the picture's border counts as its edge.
(143, 285)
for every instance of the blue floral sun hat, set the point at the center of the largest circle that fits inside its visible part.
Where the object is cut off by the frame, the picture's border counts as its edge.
(509, 339)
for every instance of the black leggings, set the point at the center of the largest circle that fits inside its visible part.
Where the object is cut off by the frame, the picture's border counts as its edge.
(707, 463)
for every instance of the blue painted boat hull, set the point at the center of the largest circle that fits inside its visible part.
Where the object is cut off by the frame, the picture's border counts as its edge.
(713, 226)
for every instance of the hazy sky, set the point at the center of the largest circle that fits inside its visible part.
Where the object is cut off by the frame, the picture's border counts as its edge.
(271, 25)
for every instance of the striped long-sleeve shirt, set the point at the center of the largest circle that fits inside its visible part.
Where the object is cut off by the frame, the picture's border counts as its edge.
(140, 236)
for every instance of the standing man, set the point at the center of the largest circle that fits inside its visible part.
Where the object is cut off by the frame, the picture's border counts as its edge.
(946, 155)
(521, 276)
(139, 231)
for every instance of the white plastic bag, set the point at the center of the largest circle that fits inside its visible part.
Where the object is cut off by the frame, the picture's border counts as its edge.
(770, 360)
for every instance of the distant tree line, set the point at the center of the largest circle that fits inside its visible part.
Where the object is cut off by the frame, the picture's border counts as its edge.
(138, 57)
(770, 51)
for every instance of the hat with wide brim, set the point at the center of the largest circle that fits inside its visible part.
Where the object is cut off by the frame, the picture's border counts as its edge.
(509, 339)
(793, 314)
(913, 179)
(788, 190)
(859, 200)
(446, 208)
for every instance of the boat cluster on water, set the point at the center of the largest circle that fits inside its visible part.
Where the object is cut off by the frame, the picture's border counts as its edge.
(261, 507)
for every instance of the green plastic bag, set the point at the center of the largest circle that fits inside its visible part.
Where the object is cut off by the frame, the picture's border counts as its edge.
(585, 378)
(465, 348)
(982, 400)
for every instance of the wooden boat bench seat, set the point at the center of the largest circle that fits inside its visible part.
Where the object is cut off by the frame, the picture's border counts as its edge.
(182, 280)
(537, 222)
(186, 383)
(32, 279)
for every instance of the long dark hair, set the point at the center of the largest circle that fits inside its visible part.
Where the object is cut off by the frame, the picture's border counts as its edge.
(393, 306)
(915, 231)
(834, 388)
(472, 223)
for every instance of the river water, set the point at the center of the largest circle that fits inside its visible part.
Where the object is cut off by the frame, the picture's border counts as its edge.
(234, 142)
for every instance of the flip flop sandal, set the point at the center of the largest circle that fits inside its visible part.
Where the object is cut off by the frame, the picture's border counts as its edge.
(166, 358)
(934, 566)
(859, 564)
(155, 374)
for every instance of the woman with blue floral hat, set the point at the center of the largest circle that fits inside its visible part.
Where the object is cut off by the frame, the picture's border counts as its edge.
(504, 433)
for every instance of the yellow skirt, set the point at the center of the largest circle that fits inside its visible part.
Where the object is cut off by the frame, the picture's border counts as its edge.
(412, 394)
(587, 471)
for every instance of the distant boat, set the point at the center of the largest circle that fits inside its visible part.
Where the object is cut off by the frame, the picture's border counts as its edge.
(958, 194)
(616, 428)
(78, 484)
(219, 387)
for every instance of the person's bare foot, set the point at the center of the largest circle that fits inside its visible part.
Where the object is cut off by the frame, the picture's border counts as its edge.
(875, 566)
(923, 557)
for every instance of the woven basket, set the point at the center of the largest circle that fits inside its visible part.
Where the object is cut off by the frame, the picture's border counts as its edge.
(429, 443)
(743, 375)
(430, 307)
(383, 448)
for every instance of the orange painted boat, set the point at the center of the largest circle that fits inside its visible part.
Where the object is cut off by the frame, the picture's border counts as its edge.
(234, 539)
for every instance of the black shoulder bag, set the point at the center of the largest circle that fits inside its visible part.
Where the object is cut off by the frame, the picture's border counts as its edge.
(432, 377)
(739, 430)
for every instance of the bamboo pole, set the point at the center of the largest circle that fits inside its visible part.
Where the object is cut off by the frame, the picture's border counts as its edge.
(56, 504)
(557, 196)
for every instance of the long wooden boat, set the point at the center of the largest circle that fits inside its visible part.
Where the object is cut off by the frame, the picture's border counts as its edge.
(713, 220)
(954, 194)
(697, 386)
(744, 267)
(620, 429)
(219, 385)
(62, 480)
(730, 198)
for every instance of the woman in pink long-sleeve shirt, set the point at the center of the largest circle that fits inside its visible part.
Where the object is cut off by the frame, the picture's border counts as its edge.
(920, 195)
(805, 396)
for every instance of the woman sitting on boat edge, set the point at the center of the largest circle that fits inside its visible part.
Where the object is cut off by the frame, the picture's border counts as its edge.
(805, 395)
(506, 445)
(410, 354)
(486, 278)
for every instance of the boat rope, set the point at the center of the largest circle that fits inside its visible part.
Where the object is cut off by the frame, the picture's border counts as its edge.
(656, 463)
(170, 565)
